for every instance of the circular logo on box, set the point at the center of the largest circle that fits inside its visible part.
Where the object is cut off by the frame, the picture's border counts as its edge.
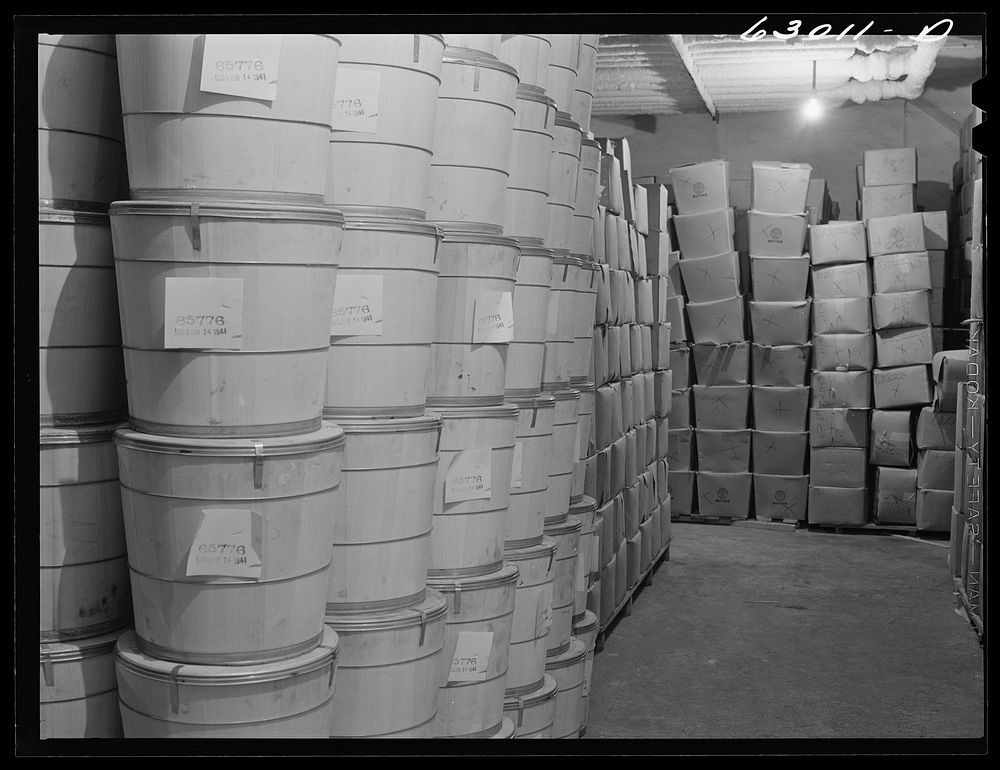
(699, 188)
(722, 494)
(775, 234)
(779, 496)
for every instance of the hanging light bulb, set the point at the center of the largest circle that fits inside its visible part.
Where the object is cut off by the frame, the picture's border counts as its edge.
(813, 109)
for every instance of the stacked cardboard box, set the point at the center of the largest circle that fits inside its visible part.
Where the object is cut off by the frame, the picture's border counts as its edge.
(718, 357)
(779, 322)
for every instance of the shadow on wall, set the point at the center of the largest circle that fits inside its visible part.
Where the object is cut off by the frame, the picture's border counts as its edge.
(933, 196)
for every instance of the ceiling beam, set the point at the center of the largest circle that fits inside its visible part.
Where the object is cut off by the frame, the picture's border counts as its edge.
(685, 54)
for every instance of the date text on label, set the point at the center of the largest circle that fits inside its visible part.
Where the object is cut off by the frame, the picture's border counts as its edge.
(203, 313)
(357, 305)
(223, 545)
(472, 656)
(355, 101)
(241, 65)
(469, 476)
(494, 320)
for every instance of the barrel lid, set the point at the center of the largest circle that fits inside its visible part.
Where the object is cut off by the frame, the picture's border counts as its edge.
(560, 253)
(566, 394)
(433, 606)
(457, 232)
(80, 648)
(128, 655)
(448, 585)
(567, 259)
(583, 384)
(470, 57)
(565, 120)
(82, 434)
(539, 401)
(546, 692)
(464, 412)
(233, 209)
(534, 94)
(353, 211)
(547, 547)
(584, 503)
(55, 211)
(506, 730)
(589, 141)
(589, 622)
(353, 425)
(576, 652)
(329, 436)
(570, 525)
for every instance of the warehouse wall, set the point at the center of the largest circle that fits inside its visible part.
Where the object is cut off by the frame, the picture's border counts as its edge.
(833, 145)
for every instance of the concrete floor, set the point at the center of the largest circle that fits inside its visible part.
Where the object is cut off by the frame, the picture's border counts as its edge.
(755, 633)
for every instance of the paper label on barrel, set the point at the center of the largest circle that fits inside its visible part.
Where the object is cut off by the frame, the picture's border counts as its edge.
(543, 611)
(203, 313)
(469, 476)
(357, 306)
(472, 656)
(355, 101)
(588, 671)
(223, 545)
(494, 317)
(515, 468)
(241, 65)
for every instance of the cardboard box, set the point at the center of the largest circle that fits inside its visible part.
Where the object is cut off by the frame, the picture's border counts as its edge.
(705, 234)
(817, 194)
(644, 300)
(933, 510)
(739, 193)
(937, 306)
(599, 356)
(838, 427)
(850, 389)
(859, 178)
(780, 408)
(707, 279)
(600, 252)
(619, 452)
(675, 282)
(776, 235)
(677, 318)
(901, 272)
(658, 248)
(780, 323)
(936, 470)
(627, 392)
(680, 449)
(892, 438)
(838, 242)
(779, 452)
(604, 476)
(614, 347)
(842, 316)
(589, 465)
(635, 347)
(721, 364)
(625, 352)
(902, 347)
(724, 494)
(901, 308)
(780, 497)
(936, 260)
(680, 487)
(949, 367)
(638, 260)
(638, 399)
(779, 364)
(935, 230)
(650, 407)
(779, 188)
(624, 244)
(632, 511)
(602, 302)
(900, 234)
(893, 166)
(838, 506)
(887, 200)
(837, 466)
(680, 407)
(722, 407)
(680, 360)
(902, 387)
(610, 188)
(779, 279)
(643, 431)
(607, 415)
(935, 430)
(652, 439)
(843, 352)
(700, 187)
(622, 572)
(646, 344)
(659, 337)
(661, 436)
(657, 207)
(641, 209)
(895, 495)
(631, 455)
(850, 280)
(723, 451)
(716, 322)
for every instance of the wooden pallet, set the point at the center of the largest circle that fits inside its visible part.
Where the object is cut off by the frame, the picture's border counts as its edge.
(624, 608)
(772, 524)
(682, 518)
(975, 620)
(877, 529)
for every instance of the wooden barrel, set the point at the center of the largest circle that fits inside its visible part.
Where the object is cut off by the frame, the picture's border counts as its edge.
(474, 319)
(81, 375)
(568, 671)
(532, 615)
(77, 689)
(229, 542)
(389, 670)
(383, 514)
(586, 630)
(585, 299)
(526, 214)
(472, 489)
(530, 474)
(483, 44)
(379, 366)
(585, 511)
(526, 352)
(476, 651)
(567, 537)
(533, 713)
(583, 87)
(585, 203)
(228, 116)
(290, 698)
(507, 730)
(563, 68)
(530, 56)
(80, 141)
(383, 122)
(473, 130)
(560, 323)
(564, 170)
(83, 567)
(564, 446)
(226, 309)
